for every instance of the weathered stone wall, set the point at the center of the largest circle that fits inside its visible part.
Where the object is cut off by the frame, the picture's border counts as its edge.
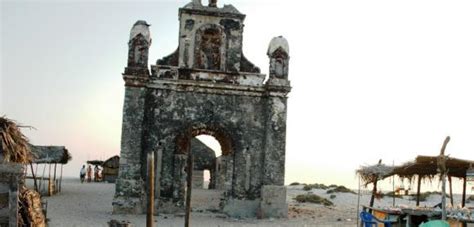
(206, 87)
(173, 113)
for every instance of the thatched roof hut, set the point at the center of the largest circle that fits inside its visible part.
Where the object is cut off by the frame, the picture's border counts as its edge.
(112, 163)
(50, 154)
(110, 169)
(426, 166)
(14, 145)
(423, 167)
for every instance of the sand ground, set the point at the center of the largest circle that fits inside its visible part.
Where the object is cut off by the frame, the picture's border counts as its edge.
(90, 204)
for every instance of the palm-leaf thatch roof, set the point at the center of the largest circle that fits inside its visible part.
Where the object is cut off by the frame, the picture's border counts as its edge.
(14, 146)
(423, 166)
(50, 154)
(372, 173)
(427, 166)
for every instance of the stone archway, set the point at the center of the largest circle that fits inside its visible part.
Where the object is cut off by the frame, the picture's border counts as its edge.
(183, 96)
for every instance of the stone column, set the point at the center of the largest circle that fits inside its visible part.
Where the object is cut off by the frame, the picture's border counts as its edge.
(129, 187)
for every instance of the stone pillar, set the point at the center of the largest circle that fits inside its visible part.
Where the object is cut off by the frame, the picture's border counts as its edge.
(274, 153)
(277, 88)
(129, 189)
(273, 204)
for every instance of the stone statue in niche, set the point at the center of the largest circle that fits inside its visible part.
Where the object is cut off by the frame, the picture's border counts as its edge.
(209, 54)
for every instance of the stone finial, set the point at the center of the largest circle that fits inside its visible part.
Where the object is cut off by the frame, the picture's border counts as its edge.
(138, 46)
(141, 27)
(278, 42)
(279, 54)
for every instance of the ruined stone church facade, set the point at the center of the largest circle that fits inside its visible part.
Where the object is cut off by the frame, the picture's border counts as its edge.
(206, 86)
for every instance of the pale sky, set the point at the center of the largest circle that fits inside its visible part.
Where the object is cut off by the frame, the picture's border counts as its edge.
(371, 78)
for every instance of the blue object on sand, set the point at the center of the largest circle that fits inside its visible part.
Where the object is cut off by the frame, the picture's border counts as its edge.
(368, 220)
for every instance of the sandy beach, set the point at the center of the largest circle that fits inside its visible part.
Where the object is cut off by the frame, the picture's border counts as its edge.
(90, 204)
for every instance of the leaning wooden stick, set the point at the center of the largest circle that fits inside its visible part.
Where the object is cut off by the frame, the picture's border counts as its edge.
(442, 170)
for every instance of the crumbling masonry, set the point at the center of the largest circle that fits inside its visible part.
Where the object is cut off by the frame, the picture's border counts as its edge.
(206, 86)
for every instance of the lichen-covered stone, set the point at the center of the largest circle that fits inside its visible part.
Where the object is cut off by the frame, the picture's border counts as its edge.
(206, 87)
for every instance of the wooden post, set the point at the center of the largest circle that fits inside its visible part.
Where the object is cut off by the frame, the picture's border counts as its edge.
(418, 191)
(189, 188)
(61, 177)
(464, 192)
(54, 179)
(50, 193)
(151, 189)
(42, 179)
(442, 169)
(451, 190)
(374, 191)
(34, 177)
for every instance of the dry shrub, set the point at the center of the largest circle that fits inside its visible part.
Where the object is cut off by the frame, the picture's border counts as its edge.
(14, 144)
(312, 198)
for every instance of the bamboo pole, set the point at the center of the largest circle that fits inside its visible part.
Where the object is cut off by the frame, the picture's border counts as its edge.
(61, 177)
(34, 177)
(42, 178)
(49, 180)
(451, 190)
(463, 203)
(358, 202)
(418, 191)
(189, 189)
(442, 170)
(374, 191)
(151, 189)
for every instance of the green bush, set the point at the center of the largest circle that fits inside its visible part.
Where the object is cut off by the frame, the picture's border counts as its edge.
(340, 189)
(315, 186)
(294, 183)
(332, 196)
(333, 186)
(471, 197)
(311, 198)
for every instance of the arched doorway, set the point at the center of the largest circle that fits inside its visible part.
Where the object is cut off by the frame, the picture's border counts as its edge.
(196, 154)
(207, 175)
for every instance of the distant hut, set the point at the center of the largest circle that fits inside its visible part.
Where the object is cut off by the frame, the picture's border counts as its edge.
(19, 206)
(48, 156)
(110, 169)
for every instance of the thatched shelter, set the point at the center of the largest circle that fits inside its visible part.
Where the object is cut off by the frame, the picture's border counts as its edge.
(16, 201)
(110, 169)
(423, 167)
(49, 156)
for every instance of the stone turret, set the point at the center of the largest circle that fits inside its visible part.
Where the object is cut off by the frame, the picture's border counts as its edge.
(278, 52)
(138, 47)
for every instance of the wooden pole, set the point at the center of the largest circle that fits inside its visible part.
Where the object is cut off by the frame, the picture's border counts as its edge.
(61, 177)
(451, 190)
(42, 178)
(463, 203)
(374, 191)
(34, 177)
(49, 180)
(189, 188)
(442, 169)
(358, 202)
(151, 189)
(418, 191)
